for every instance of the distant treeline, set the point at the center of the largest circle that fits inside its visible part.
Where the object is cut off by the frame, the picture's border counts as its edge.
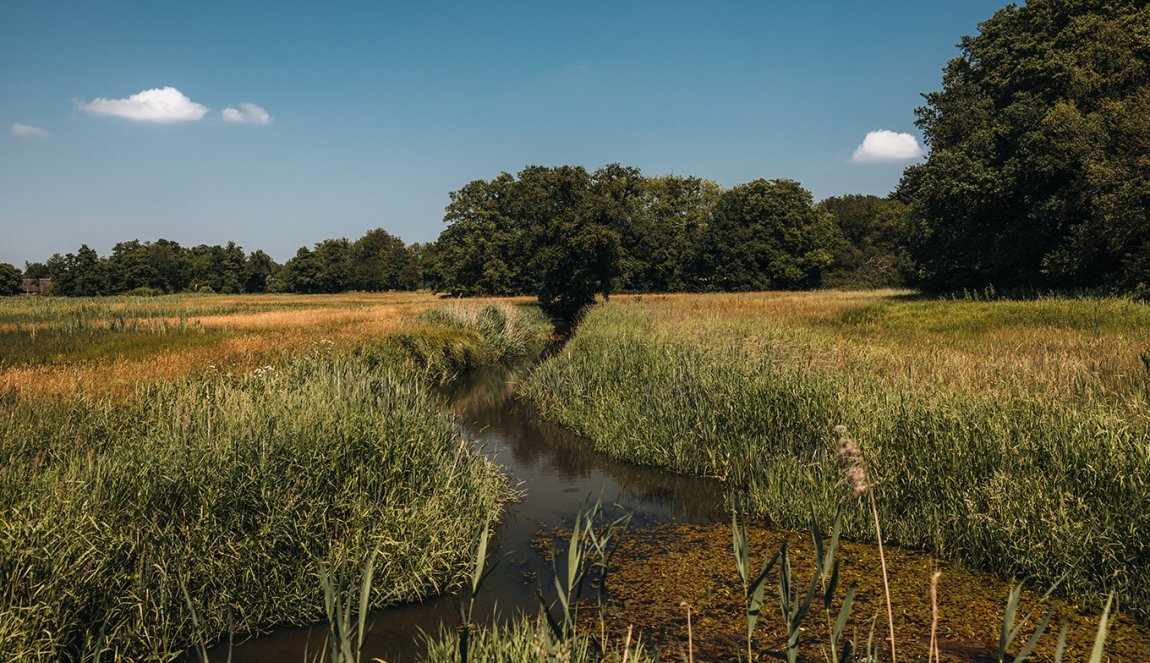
(559, 232)
(376, 261)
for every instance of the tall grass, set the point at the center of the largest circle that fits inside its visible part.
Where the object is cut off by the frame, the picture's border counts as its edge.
(244, 488)
(1014, 436)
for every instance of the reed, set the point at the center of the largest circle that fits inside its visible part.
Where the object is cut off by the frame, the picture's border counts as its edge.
(1009, 435)
(241, 486)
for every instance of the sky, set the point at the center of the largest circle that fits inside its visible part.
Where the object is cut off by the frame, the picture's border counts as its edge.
(278, 125)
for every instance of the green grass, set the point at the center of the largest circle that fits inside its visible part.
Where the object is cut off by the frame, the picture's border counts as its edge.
(237, 487)
(53, 347)
(1013, 436)
(528, 641)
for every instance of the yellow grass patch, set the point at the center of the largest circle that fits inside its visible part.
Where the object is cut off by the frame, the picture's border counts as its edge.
(252, 338)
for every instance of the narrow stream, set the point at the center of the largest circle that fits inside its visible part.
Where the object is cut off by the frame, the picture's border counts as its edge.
(559, 474)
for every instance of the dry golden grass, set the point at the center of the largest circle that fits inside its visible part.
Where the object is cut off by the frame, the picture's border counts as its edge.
(250, 338)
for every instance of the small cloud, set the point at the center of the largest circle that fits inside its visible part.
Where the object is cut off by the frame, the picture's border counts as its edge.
(161, 105)
(883, 145)
(29, 130)
(247, 114)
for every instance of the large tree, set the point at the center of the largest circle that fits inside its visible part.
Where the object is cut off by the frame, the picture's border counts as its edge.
(11, 279)
(480, 251)
(380, 261)
(1038, 172)
(765, 234)
(549, 231)
(659, 250)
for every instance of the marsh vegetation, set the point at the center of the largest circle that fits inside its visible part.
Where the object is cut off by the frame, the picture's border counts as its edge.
(147, 518)
(1009, 435)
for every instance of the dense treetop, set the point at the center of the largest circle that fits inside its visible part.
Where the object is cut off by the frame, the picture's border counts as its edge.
(567, 235)
(1039, 171)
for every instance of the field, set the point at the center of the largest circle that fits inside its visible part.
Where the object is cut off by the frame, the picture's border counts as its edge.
(1013, 436)
(176, 468)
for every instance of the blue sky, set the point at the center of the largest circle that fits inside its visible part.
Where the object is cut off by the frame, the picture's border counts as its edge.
(375, 111)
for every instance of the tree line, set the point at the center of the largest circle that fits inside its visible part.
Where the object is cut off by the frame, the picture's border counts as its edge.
(567, 235)
(376, 261)
(561, 233)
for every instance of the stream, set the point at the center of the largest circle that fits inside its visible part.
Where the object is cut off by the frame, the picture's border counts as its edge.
(559, 474)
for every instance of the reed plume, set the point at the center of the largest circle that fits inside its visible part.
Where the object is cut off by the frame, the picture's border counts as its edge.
(858, 477)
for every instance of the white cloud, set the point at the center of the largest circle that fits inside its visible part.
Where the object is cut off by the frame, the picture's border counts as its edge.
(162, 105)
(247, 114)
(883, 145)
(29, 130)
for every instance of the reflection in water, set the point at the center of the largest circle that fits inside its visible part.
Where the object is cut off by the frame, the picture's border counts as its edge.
(559, 474)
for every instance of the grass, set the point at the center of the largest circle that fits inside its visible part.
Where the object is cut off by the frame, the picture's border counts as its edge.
(61, 346)
(243, 486)
(1009, 435)
(529, 641)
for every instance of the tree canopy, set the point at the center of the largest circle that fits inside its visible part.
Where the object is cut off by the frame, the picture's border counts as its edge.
(566, 236)
(1039, 172)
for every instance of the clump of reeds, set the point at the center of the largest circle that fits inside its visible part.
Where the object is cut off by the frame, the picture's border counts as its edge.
(237, 487)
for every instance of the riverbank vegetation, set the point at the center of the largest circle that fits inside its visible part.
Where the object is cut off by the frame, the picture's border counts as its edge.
(231, 482)
(1009, 435)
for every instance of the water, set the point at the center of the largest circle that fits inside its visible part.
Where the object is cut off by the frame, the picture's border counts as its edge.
(559, 475)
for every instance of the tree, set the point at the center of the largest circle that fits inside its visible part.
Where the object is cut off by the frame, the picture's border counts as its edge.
(259, 268)
(573, 249)
(80, 275)
(129, 268)
(169, 261)
(380, 261)
(301, 273)
(1037, 175)
(869, 248)
(481, 250)
(658, 252)
(11, 279)
(766, 234)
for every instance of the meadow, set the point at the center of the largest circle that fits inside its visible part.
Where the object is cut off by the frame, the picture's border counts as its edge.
(204, 481)
(1013, 436)
(177, 468)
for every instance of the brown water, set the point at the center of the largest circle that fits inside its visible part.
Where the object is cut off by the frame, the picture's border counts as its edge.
(559, 475)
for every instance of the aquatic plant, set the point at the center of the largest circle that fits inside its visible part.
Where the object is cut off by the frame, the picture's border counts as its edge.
(1009, 435)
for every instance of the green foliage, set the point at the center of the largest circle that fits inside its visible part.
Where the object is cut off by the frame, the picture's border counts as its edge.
(11, 280)
(765, 235)
(568, 236)
(1037, 175)
(659, 243)
(377, 261)
(162, 266)
(869, 249)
